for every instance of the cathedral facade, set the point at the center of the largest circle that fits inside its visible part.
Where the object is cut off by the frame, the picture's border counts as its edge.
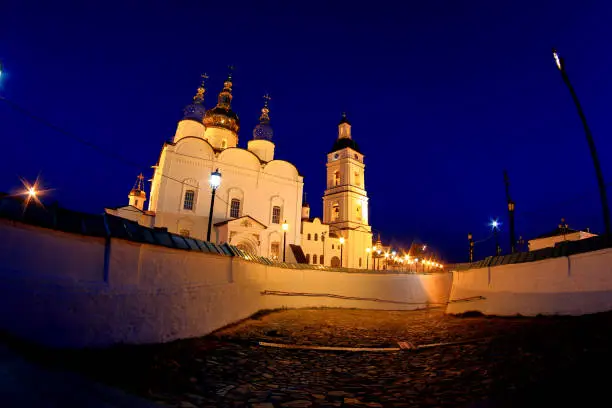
(258, 205)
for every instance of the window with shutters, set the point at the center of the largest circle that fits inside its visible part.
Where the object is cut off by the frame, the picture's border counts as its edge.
(276, 213)
(235, 208)
(188, 201)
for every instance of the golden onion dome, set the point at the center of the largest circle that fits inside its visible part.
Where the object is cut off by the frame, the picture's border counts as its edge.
(222, 115)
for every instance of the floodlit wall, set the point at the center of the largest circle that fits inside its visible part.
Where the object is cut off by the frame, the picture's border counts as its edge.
(70, 290)
(574, 285)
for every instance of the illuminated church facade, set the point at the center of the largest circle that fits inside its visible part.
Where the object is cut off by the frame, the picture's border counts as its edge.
(258, 193)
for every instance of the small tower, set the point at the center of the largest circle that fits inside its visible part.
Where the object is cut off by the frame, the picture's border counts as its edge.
(305, 209)
(137, 195)
(221, 122)
(262, 144)
(193, 115)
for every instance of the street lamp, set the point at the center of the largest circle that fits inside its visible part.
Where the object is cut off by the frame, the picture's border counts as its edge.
(495, 227)
(600, 180)
(471, 240)
(341, 248)
(285, 227)
(215, 182)
(368, 249)
(512, 236)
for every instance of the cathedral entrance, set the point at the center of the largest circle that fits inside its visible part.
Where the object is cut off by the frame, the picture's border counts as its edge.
(335, 262)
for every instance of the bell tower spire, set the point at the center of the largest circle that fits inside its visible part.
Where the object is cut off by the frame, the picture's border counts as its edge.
(344, 128)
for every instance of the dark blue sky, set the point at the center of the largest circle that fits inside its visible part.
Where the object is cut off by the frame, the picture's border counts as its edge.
(442, 95)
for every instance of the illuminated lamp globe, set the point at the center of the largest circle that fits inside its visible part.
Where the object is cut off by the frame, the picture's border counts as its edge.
(215, 179)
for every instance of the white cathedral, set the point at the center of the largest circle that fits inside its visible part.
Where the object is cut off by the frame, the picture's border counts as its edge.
(258, 205)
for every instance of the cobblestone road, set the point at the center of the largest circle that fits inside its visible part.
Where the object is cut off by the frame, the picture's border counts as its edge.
(511, 362)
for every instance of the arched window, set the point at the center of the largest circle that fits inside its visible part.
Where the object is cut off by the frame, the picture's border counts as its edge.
(308, 237)
(335, 211)
(307, 258)
(276, 213)
(332, 246)
(360, 262)
(314, 259)
(275, 250)
(336, 178)
(321, 260)
(335, 262)
(316, 238)
(189, 199)
(235, 208)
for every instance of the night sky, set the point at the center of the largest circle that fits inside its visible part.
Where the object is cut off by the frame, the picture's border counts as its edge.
(442, 95)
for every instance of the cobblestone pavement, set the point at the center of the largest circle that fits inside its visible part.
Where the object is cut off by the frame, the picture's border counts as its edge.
(511, 362)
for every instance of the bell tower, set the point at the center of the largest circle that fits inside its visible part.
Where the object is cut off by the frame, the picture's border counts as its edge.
(345, 202)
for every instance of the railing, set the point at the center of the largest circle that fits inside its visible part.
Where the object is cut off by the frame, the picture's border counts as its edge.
(561, 249)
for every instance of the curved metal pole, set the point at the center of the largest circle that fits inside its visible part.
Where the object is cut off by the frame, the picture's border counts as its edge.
(592, 148)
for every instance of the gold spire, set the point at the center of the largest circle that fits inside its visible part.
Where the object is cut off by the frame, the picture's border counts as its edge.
(138, 188)
(199, 96)
(225, 97)
(265, 111)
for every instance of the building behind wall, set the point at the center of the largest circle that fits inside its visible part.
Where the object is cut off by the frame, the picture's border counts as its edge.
(258, 193)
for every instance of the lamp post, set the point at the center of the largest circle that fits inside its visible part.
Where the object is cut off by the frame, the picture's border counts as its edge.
(377, 267)
(495, 228)
(368, 249)
(511, 217)
(471, 240)
(600, 180)
(341, 248)
(215, 182)
(285, 227)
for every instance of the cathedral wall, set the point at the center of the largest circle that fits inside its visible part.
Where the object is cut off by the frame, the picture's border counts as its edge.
(117, 291)
(243, 178)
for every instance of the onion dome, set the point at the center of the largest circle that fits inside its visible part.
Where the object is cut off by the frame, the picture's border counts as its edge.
(195, 111)
(222, 115)
(263, 130)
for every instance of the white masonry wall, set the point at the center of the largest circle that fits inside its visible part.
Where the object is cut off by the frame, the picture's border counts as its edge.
(574, 285)
(68, 290)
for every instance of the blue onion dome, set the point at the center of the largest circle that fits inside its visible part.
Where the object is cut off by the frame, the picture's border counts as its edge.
(263, 130)
(222, 115)
(195, 111)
